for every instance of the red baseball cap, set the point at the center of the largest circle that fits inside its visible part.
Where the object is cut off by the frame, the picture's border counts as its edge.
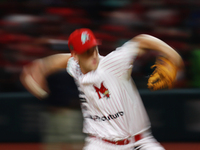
(81, 40)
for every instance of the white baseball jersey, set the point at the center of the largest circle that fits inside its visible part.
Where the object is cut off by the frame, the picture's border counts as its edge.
(111, 105)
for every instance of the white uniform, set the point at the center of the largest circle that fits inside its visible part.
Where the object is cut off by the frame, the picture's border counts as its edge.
(111, 105)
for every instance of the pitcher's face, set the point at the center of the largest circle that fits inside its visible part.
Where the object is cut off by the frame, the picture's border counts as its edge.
(88, 60)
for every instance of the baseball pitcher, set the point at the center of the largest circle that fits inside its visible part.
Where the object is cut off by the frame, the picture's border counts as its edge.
(114, 115)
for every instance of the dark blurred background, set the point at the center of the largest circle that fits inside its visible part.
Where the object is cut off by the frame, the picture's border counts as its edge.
(31, 29)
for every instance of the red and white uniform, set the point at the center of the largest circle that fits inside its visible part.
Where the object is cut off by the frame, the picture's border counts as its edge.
(111, 105)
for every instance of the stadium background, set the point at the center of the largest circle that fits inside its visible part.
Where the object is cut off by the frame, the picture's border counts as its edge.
(31, 29)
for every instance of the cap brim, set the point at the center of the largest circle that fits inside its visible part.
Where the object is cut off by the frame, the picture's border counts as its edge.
(96, 42)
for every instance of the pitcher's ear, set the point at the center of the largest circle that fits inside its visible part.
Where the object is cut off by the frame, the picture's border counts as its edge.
(73, 54)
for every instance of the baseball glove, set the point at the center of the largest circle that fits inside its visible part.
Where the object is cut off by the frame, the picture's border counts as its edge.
(163, 76)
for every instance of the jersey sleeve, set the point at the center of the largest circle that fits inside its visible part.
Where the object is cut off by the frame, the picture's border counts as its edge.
(121, 60)
(72, 68)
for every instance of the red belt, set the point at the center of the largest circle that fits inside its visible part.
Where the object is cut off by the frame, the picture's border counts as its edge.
(122, 142)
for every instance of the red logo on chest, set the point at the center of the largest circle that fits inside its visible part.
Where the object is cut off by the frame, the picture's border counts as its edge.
(103, 90)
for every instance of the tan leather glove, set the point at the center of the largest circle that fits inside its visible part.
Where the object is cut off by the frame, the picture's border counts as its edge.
(163, 76)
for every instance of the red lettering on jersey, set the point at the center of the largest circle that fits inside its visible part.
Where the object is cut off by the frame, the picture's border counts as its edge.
(103, 90)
